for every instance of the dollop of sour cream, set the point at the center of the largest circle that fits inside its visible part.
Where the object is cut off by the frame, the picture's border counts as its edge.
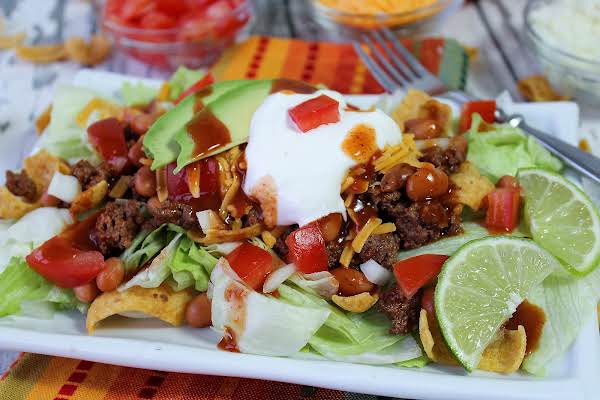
(296, 176)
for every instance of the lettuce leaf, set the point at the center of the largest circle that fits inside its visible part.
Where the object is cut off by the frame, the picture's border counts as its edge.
(569, 303)
(64, 138)
(19, 285)
(146, 245)
(138, 93)
(183, 79)
(191, 266)
(359, 338)
(504, 149)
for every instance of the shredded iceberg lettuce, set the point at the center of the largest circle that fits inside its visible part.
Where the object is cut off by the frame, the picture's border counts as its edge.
(22, 290)
(146, 245)
(138, 93)
(191, 266)
(569, 303)
(183, 79)
(505, 149)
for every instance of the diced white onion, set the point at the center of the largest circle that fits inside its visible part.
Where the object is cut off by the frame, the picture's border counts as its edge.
(322, 283)
(375, 273)
(224, 248)
(442, 143)
(64, 187)
(208, 219)
(277, 277)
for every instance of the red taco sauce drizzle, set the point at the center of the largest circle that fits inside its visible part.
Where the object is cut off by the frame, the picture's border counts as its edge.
(207, 132)
(235, 295)
(532, 318)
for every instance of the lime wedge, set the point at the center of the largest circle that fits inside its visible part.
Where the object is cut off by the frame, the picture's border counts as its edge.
(562, 219)
(480, 287)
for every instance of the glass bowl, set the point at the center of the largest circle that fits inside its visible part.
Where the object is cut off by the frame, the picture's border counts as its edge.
(194, 46)
(571, 74)
(348, 24)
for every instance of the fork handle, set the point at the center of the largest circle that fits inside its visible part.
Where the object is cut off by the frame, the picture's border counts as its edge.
(585, 163)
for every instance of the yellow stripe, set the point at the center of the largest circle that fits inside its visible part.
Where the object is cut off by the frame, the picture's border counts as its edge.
(273, 59)
(97, 383)
(24, 376)
(56, 374)
(359, 78)
(237, 61)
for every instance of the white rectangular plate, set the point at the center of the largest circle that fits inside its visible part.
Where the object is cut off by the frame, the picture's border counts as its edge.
(154, 345)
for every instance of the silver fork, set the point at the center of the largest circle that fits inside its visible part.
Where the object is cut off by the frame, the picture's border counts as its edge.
(395, 68)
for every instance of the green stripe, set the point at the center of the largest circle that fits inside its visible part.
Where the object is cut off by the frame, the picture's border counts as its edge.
(454, 65)
(23, 377)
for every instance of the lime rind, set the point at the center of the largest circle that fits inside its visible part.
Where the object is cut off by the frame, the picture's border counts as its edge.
(556, 224)
(480, 287)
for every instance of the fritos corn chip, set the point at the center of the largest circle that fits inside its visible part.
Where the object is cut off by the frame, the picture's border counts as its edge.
(88, 53)
(503, 355)
(358, 303)
(161, 302)
(409, 106)
(89, 198)
(41, 54)
(13, 207)
(10, 41)
(41, 168)
(538, 88)
(472, 186)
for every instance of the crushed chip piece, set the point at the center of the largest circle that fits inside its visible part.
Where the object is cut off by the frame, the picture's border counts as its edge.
(503, 355)
(161, 302)
(538, 88)
(10, 41)
(41, 168)
(472, 186)
(41, 123)
(41, 54)
(89, 198)
(358, 303)
(88, 53)
(13, 207)
(409, 106)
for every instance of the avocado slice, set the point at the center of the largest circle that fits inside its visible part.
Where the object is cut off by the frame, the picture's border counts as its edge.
(159, 141)
(226, 119)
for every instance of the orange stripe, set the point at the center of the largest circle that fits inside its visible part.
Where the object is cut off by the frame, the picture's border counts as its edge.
(97, 382)
(127, 384)
(52, 380)
(273, 59)
(430, 54)
(345, 70)
(328, 57)
(239, 60)
(292, 68)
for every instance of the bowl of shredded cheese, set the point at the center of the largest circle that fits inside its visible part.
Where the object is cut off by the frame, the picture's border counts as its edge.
(372, 14)
(563, 34)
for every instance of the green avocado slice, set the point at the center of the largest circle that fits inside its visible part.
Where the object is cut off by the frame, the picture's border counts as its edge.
(227, 117)
(159, 142)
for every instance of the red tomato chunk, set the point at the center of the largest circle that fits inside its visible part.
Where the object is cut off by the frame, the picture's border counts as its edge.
(485, 108)
(315, 112)
(503, 209)
(415, 272)
(307, 249)
(108, 138)
(251, 263)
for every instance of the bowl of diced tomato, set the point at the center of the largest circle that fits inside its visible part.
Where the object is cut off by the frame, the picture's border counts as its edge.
(169, 33)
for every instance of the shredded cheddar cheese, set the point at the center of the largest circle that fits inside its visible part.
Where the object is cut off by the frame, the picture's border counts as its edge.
(366, 231)
(347, 255)
(268, 238)
(404, 152)
(163, 93)
(388, 227)
(105, 109)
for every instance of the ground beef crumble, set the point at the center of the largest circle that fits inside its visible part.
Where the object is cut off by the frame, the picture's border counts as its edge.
(20, 184)
(170, 212)
(403, 312)
(117, 225)
(447, 160)
(380, 248)
(88, 175)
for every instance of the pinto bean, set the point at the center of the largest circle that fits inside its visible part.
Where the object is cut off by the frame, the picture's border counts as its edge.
(136, 152)
(197, 313)
(86, 293)
(111, 276)
(423, 128)
(395, 179)
(427, 184)
(330, 226)
(144, 182)
(351, 281)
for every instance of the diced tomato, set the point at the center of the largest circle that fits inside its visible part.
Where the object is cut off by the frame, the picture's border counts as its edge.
(315, 112)
(428, 300)
(307, 249)
(135, 9)
(157, 20)
(485, 108)
(415, 272)
(206, 80)
(171, 7)
(69, 259)
(108, 138)
(251, 263)
(503, 209)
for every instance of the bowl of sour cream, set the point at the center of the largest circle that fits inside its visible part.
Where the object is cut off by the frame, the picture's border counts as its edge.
(564, 35)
